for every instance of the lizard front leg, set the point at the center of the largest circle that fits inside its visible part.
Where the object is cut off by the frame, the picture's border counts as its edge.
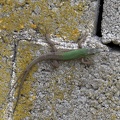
(53, 49)
(80, 40)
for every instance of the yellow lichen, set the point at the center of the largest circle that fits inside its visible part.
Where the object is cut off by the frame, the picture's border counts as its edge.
(25, 102)
(5, 72)
(63, 21)
(113, 117)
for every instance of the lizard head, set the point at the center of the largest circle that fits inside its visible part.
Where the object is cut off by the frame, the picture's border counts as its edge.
(92, 51)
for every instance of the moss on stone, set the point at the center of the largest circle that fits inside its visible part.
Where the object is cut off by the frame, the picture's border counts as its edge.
(5, 71)
(24, 57)
(63, 20)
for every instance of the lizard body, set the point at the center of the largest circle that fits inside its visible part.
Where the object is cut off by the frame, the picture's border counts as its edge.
(61, 56)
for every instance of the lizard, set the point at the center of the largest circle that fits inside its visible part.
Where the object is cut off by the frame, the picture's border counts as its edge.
(54, 55)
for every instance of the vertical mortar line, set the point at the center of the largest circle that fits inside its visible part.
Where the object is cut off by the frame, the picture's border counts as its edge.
(9, 109)
(98, 21)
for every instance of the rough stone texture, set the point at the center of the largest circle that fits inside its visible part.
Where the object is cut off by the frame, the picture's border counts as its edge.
(73, 91)
(6, 67)
(111, 22)
(77, 91)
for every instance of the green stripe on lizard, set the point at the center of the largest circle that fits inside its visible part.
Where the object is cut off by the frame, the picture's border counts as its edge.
(79, 53)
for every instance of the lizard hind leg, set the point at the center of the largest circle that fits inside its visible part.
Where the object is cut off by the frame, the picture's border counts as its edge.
(86, 61)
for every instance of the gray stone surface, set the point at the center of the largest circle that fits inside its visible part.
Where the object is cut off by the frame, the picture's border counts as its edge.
(73, 91)
(111, 22)
(77, 91)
